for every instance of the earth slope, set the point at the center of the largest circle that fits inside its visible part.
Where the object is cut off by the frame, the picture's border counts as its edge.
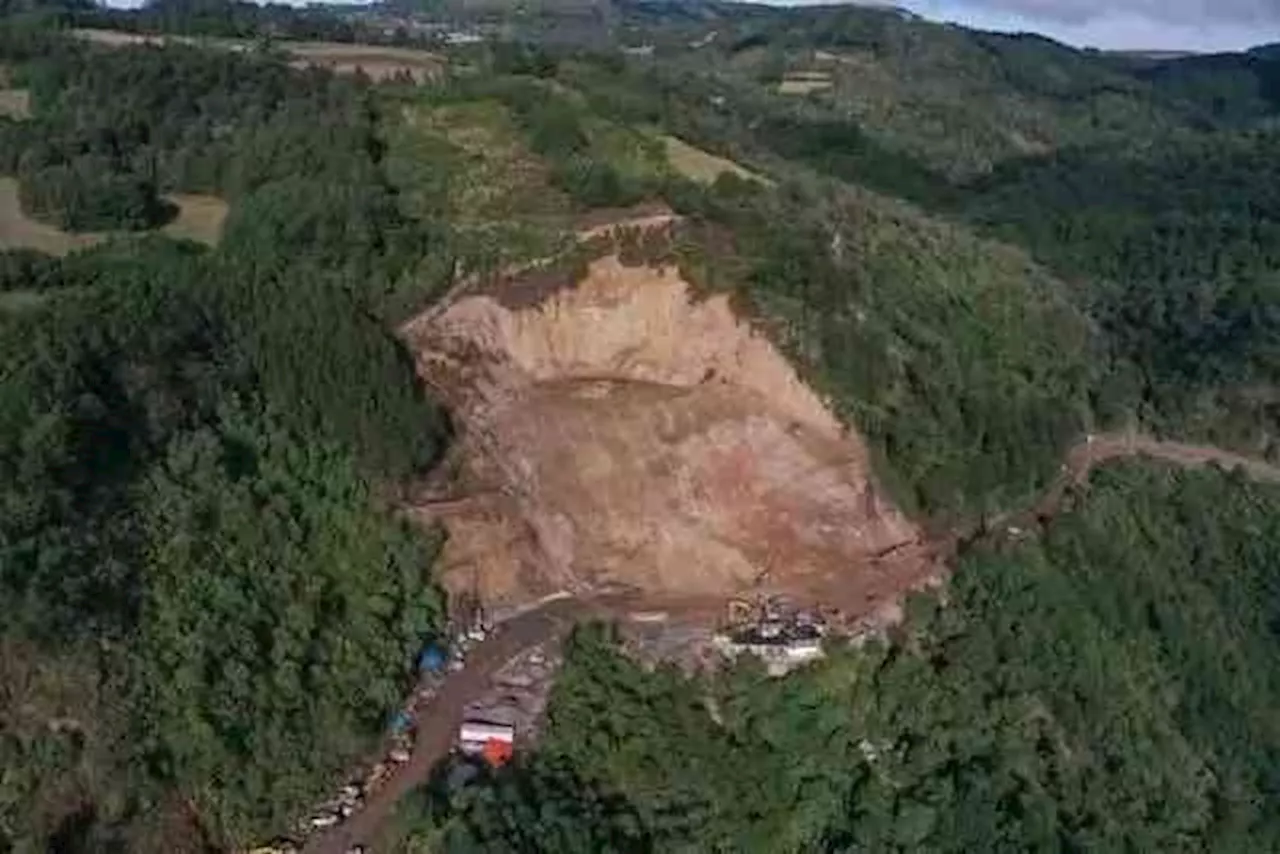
(621, 434)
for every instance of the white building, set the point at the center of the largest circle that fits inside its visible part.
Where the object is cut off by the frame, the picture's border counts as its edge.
(474, 735)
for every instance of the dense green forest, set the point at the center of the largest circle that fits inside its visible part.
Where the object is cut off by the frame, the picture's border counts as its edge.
(976, 246)
(210, 608)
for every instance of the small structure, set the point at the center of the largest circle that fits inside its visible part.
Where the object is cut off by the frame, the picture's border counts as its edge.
(783, 640)
(495, 743)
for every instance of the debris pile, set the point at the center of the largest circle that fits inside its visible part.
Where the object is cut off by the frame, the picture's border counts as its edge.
(783, 636)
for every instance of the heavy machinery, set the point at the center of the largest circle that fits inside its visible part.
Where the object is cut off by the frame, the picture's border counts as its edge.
(740, 611)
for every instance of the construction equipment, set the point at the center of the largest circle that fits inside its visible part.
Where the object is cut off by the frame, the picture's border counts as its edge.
(741, 611)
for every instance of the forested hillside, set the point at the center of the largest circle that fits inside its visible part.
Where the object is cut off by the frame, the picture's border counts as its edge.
(209, 609)
(977, 247)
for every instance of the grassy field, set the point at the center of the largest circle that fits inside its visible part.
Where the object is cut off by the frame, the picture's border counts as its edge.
(472, 156)
(377, 61)
(15, 103)
(199, 218)
(701, 166)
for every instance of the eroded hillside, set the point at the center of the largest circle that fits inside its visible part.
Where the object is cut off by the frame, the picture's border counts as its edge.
(621, 433)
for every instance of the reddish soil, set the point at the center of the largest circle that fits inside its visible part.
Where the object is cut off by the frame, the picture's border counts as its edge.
(631, 436)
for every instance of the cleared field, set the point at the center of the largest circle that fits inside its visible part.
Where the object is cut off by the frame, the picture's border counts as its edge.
(380, 63)
(472, 156)
(377, 61)
(199, 218)
(15, 103)
(118, 38)
(702, 166)
(804, 82)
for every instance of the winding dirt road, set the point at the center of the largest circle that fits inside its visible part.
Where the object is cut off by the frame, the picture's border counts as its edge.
(1101, 448)
(437, 728)
(439, 724)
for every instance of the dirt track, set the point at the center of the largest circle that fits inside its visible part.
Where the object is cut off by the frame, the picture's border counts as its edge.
(1109, 446)
(438, 726)
(1104, 447)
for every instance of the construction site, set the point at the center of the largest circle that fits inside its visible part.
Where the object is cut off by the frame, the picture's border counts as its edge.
(633, 451)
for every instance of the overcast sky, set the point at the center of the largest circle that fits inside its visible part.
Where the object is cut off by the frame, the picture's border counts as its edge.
(1205, 25)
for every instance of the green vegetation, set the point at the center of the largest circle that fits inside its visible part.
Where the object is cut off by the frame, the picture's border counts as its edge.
(976, 246)
(1107, 688)
(291, 565)
(1176, 249)
(209, 608)
(87, 195)
(960, 360)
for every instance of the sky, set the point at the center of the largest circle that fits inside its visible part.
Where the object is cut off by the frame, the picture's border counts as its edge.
(1192, 25)
(1201, 25)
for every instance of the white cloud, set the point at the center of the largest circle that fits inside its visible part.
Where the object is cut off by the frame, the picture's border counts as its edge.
(1204, 25)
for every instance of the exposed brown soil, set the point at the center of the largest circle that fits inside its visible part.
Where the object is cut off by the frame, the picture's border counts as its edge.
(15, 103)
(631, 437)
(648, 451)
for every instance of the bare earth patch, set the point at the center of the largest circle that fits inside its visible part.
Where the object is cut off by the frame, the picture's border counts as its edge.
(380, 63)
(701, 166)
(15, 103)
(199, 218)
(377, 61)
(805, 82)
(622, 436)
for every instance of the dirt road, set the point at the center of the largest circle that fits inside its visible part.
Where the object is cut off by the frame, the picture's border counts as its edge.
(1100, 448)
(1108, 446)
(440, 720)
(1097, 449)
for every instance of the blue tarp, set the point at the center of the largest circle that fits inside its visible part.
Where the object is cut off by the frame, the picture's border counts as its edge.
(431, 659)
(400, 722)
